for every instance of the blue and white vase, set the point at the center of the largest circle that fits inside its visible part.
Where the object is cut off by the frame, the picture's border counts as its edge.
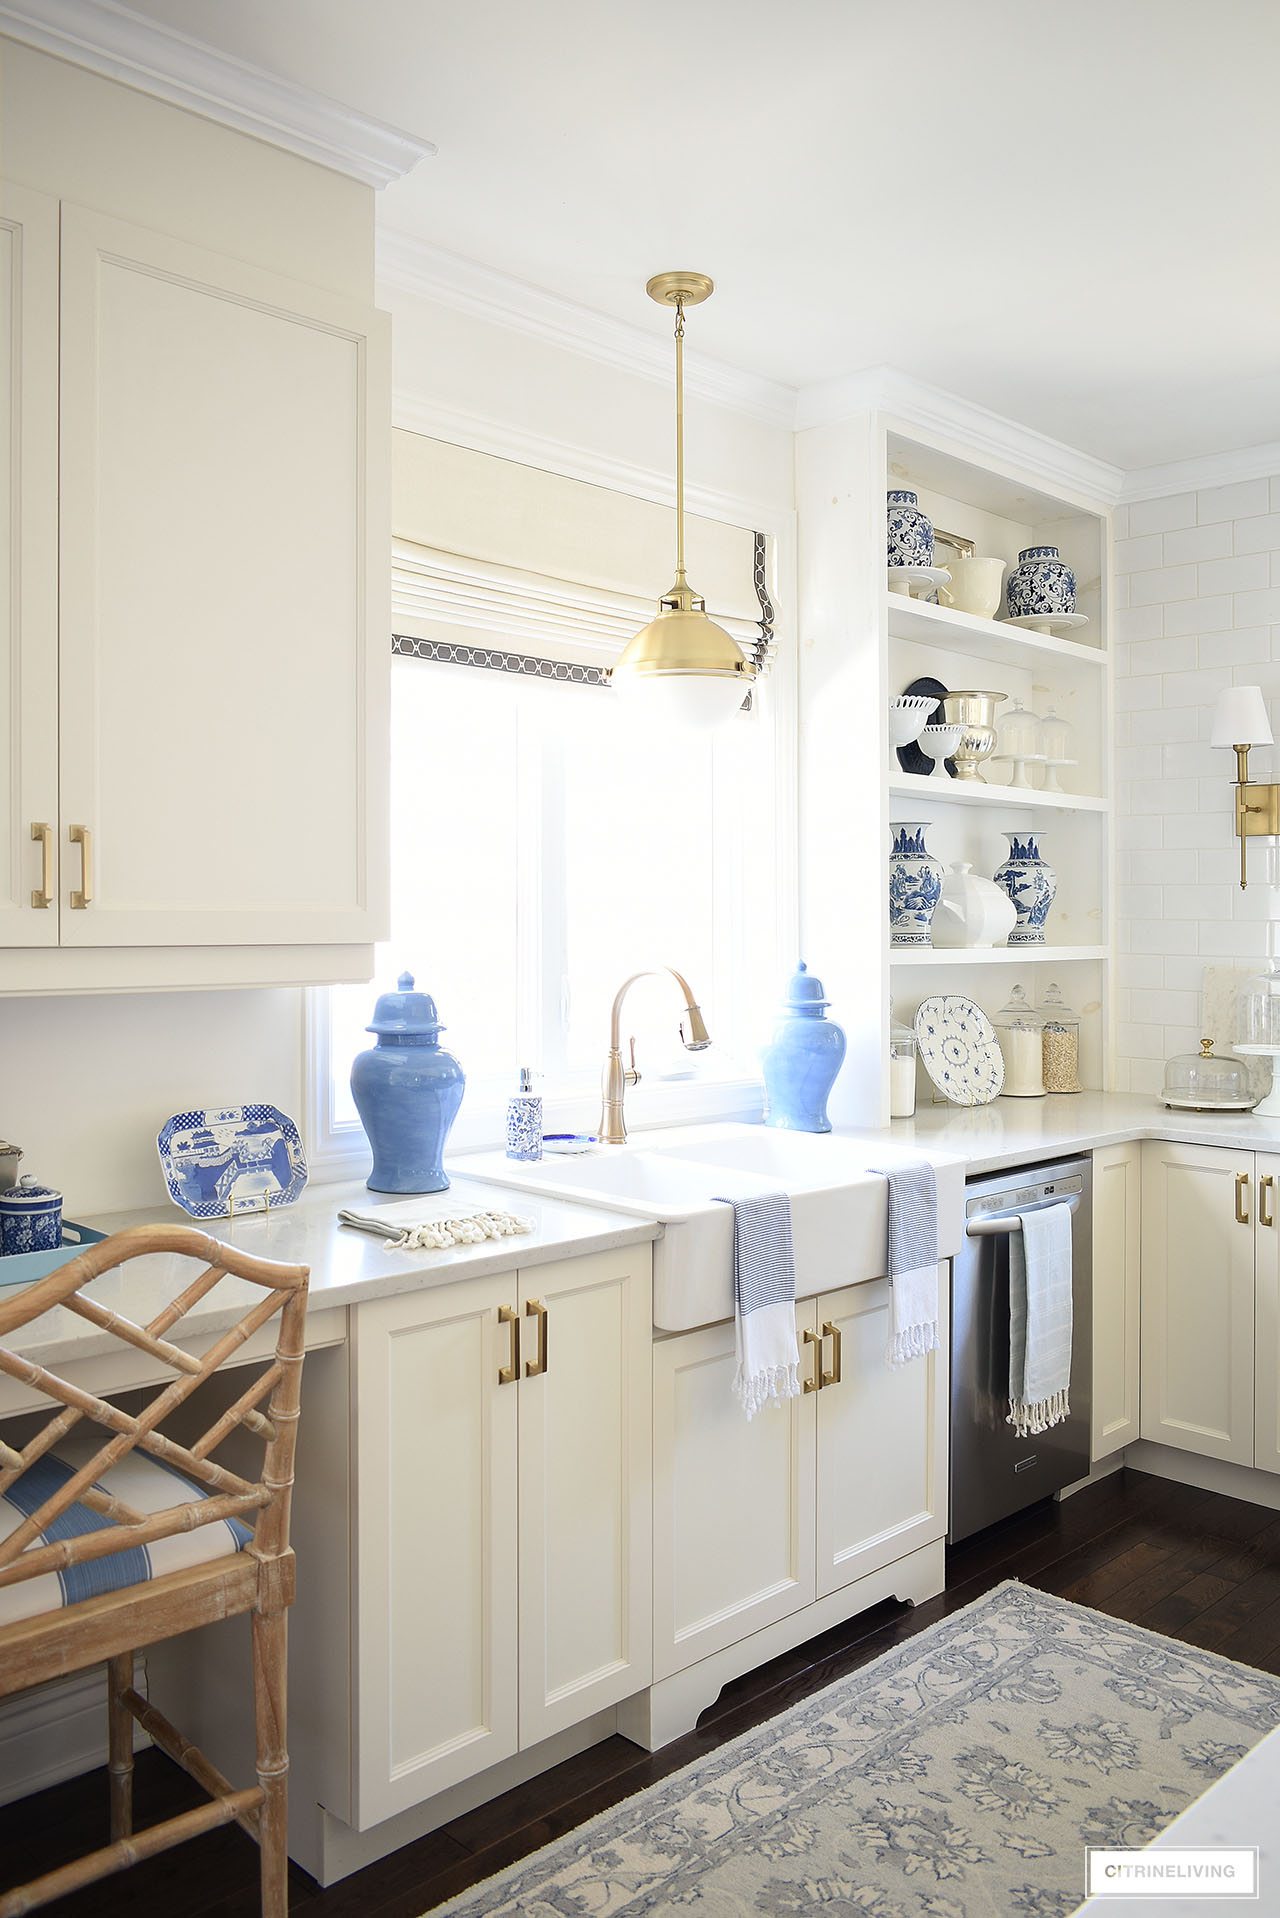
(910, 531)
(1030, 884)
(407, 1090)
(802, 1059)
(915, 885)
(1042, 583)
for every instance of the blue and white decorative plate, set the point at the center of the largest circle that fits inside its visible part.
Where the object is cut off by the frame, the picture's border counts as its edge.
(231, 1159)
(960, 1050)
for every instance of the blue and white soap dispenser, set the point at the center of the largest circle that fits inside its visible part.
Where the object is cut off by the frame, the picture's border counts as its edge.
(802, 1059)
(524, 1120)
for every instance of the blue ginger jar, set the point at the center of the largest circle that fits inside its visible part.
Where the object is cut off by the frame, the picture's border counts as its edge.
(1041, 583)
(802, 1059)
(407, 1090)
(915, 885)
(910, 531)
(1030, 884)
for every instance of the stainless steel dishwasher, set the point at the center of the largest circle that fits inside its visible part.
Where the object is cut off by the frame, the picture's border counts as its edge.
(993, 1471)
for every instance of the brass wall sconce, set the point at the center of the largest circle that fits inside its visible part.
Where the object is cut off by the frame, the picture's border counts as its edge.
(1240, 721)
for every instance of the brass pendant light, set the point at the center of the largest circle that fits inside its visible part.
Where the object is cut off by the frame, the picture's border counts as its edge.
(683, 667)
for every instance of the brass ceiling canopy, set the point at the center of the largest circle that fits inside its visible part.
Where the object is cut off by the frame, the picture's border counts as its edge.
(693, 668)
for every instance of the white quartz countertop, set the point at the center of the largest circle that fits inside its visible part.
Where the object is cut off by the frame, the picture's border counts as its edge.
(348, 1267)
(1019, 1131)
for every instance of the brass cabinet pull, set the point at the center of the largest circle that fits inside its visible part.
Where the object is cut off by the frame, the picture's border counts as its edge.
(1242, 1198)
(832, 1332)
(81, 836)
(816, 1383)
(42, 898)
(1265, 1215)
(535, 1309)
(509, 1373)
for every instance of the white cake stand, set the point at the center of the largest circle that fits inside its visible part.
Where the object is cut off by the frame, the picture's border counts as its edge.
(1049, 622)
(916, 581)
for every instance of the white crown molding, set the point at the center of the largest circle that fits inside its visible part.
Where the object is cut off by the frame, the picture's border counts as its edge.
(500, 438)
(1209, 469)
(409, 265)
(984, 435)
(122, 45)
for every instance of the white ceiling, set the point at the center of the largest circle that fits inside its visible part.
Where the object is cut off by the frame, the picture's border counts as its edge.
(1067, 213)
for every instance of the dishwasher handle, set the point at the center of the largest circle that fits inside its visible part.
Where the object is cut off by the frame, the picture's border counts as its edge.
(1002, 1226)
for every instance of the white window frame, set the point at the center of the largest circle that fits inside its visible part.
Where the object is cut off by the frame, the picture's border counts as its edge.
(341, 1151)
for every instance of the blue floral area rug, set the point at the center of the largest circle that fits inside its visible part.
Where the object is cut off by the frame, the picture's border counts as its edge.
(959, 1776)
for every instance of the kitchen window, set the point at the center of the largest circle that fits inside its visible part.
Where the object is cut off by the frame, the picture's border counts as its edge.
(545, 845)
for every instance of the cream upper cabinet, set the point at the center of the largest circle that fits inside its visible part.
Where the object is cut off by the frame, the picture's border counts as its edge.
(1117, 1282)
(28, 567)
(1198, 1223)
(222, 642)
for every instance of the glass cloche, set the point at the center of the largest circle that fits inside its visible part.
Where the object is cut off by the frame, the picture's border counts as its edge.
(1018, 740)
(1207, 1082)
(1061, 1042)
(1019, 1028)
(1057, 743)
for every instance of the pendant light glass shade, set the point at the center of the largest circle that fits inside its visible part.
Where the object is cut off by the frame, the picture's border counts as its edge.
(682, 670)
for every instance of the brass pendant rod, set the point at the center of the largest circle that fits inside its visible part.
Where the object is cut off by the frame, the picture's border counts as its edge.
(680, 442)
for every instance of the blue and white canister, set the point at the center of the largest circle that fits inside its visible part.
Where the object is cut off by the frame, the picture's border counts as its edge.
(524, 1120)
(910, 531)
(1030, 884)
(1041, 583)
(915, 885)
(30, 1218)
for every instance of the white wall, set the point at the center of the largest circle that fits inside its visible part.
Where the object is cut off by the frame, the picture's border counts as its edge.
(1199, 609)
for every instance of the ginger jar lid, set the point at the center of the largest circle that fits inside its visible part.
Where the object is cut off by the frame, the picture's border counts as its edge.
(29, 1192)
(405, 1013)
(805, 998)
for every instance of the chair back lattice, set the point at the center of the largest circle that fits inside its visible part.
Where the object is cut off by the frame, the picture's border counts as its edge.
(264, 1502)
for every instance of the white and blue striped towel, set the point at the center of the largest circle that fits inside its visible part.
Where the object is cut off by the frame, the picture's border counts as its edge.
(913, 1259)
(764, 1298)
(145, 1483)
(1040, 1320)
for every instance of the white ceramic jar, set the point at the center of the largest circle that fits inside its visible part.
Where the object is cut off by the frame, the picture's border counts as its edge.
(972, 911)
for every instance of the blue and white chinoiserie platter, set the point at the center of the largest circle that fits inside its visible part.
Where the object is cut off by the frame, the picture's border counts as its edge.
(960, 1050)
(231, 1159)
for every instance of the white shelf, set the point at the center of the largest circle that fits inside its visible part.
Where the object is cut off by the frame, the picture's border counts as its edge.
(991, 640)
(994, 955)
(966, 792)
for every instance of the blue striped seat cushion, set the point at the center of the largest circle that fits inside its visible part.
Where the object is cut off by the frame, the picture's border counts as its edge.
(143, 1482)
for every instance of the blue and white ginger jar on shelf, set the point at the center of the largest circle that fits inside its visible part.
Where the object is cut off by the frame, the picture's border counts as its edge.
(802, 1059)
(915, 885)
(1030, 884)
(910, 531)
(1041, 582)
(407, 1090)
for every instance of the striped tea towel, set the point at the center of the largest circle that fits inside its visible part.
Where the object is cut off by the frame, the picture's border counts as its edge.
(764, 1298)
(1040, 1320)
(913, 1259)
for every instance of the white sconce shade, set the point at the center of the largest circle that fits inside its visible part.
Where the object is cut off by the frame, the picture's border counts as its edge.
(1240, 718)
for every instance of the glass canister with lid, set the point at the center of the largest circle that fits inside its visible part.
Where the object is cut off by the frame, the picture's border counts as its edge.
(1207, 1082)
(1061, 1042)
(1019, 1028)
(902, 1069)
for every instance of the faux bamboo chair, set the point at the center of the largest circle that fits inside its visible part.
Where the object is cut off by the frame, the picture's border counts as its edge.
(82, 1499)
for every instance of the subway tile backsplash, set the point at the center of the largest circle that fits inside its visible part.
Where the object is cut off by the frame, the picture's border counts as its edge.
(1198, 609)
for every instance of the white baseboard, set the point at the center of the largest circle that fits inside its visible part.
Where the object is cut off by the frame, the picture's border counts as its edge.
(57, 1731)
(1206, 1474)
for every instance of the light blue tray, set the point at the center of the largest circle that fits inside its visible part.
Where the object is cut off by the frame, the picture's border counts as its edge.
(24, 1267)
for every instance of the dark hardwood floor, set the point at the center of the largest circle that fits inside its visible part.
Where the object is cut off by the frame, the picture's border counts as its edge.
(1202, 1568)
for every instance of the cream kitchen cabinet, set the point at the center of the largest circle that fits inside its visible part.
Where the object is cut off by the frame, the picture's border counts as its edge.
(1117, 1288)
(755, 1522)
(502, 1541)
(198, 477)
(1209, 1287)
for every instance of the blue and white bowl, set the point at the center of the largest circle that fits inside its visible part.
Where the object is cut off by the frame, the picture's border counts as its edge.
(1041, 583)
(30, 1218)
(910, 531)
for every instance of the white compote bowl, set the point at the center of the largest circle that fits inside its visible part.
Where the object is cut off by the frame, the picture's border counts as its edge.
(907, 714)
(938, 743)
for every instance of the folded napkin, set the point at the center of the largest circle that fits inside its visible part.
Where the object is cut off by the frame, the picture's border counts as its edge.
(439, 1230)
(764, 1298)
(913, 1259)
(1040, 1320)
